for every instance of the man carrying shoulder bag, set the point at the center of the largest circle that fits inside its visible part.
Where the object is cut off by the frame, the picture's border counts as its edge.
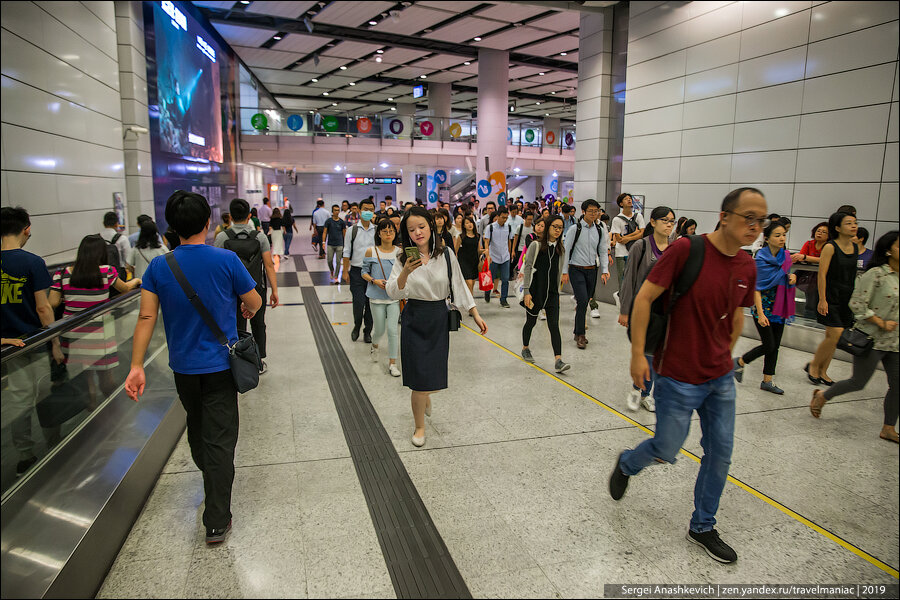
(202, 365)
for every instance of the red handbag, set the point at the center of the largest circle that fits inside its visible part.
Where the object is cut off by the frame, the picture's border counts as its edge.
(485, 281)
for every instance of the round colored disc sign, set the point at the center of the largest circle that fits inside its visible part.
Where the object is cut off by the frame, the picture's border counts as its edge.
(551, 137)
(549, 198)
(295, 122)
(509, 134)
(554, 186)
(455, 130)
(426, 127)
(259, 121)
(330, 123)
(484, 188)
(570, 139)
(364, 125)
(396, 127)
(432, 197)
(501, 199)
(440, 177)
(529, 135)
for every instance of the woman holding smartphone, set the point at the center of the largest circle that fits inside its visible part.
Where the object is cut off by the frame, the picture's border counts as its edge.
(420, 276)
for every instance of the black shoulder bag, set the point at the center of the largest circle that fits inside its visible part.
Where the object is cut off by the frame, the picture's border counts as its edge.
(658, 325)
(243, 355)
(454, 317)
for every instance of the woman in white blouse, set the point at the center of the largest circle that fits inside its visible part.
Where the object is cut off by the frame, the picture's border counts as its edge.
(424, 283)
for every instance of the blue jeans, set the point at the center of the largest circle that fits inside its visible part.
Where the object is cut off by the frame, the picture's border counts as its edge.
(714, 402)
(500, 270)
(648, 383)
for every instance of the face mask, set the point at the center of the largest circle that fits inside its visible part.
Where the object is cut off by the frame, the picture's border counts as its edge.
(367, 215)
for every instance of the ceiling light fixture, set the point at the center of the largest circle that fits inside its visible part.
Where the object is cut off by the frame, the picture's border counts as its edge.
(390, 99)
(324, 93)
(245, 1)
(477, 39)
(563, 53)
(555, 174)
(373, 23)
(457, 171)
(393, 108)
(276, 37)
(379, 52)
(538, 103)
(314, 80)
(334, 103)
(343, 68)
(517, 169)
(546, 114)
(384, 165)
(541, 73)
(421, 77)
(352, 83)
(467, 63)
(378, 59)
(552, 93)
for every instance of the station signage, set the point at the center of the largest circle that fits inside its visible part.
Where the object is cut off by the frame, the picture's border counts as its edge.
(367, 180)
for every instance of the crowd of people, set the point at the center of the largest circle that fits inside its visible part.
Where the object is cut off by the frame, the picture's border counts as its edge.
(412, 271)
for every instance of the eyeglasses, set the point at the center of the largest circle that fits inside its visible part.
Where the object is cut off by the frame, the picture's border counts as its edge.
(556, 227)
(752, 220)
(667, 221)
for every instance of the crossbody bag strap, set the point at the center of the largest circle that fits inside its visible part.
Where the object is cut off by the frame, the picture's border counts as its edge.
(449, 274)
(194, 299)
(381, 266)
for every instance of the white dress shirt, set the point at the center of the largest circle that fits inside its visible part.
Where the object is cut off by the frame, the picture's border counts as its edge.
(430, 282)
(365, 239)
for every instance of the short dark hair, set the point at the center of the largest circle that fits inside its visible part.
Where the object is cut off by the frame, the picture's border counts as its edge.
(322, 202)
(142, 218)
(834, 223)
(388, 197)
(491, 203)
(240, 209)
(13, 221)
(382, 225)
(110, 219)
(730, 202)
(502, 211)
(621, 198)
(366, 201)
(335, 206)
(847, 208)
(187, 213)
(862, 234)
(589, 203)
(265, 200)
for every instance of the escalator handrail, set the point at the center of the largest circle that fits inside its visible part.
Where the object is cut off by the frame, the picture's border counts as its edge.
(46, 334)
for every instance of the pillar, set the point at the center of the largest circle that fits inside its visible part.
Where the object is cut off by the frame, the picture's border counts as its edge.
(551, 126)
(406, 191)
(592, 116)
(439, 106)
(493, 113)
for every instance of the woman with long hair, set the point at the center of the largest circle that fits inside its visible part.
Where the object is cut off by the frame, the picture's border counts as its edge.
(643, 255)
(837, 275)
(688, 228)
(876, 305)
(145, 249)
(442, 223)
(377, 264)
(421, 277)
(773, 306)
(470, 252)
(81, 287)
(542, 269)
(276, 233)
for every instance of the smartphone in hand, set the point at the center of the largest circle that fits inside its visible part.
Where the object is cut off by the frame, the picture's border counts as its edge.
(412, 252)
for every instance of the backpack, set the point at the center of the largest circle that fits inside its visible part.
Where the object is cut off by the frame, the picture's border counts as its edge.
(353, 231)
(248, 248)
(578, 234)
(631, 226)
(113, 258)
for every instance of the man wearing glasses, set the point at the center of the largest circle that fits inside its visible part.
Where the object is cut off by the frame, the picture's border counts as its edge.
(586, 249)
(696, 372)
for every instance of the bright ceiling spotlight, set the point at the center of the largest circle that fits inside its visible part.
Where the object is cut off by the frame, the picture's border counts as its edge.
(563, 53)
(324, 93)
(457, 171)
(477, 39)
(352, 83)
(384, 165)
(541, 73)
(467, 63)
(334, 103)
(517, 169)
(377, 59)
(276, 37)
(343, 68)
(379, 52)
(337, 167)
(314, 80)
(421, 77)
(390, 99)
(393, 108)
(373, 23)
(555, 174)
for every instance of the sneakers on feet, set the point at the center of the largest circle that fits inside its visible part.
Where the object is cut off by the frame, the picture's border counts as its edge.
(373, 353)
(770, 386)
(217, 536)
(23, 465)
(618, 481)
(543, 316)
(562, 367)
(738, 371)
(713, 544)
(648, 403)
(526, 354)
(595, 313)
(394, 371)
(367, 338)
(633, 401)
(504, 304)
(265, 367)
(354, 335)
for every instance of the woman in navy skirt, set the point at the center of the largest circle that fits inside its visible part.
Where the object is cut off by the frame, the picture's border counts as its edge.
(424, 283)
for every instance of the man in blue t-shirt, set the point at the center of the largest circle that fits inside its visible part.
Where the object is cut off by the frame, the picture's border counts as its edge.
(202, 371)
(25, 309)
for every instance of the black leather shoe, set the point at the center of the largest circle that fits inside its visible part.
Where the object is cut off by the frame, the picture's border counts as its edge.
(618, 481)
(367, 338)
(354, 335)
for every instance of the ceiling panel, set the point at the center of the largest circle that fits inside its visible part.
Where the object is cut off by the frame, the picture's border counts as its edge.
(352, 49)
(409, 72)
(441, 61)
(366, 69)
(571, 57)
(351, 14)
(552, 47)
(398, 90)
(448, 77)
(545, 89)
(261, 57)
(236, 35)
(349, 105)
(511, 14)
(512, 38)
(412, 20)
(518, 85)
(471, 69)
(303, 90)
(333, 81)
(379, 97)
(561, 21)
(455, 7)
(519, 72)
(463, 96)
(550, 77)
(464, 29)
(290, 10)
(342, 94)
(326, 64)
(296, 42)
(369, 86)
(401, 56)
(281, 76)
(300, 104)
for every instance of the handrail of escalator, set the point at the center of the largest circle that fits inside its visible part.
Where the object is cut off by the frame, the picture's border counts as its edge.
(45, 334)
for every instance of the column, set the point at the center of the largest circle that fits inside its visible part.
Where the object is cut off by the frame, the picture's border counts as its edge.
(439, 106)
(551, 133)
(493, 113)
(406, 191)
(592, 116)
(133, 86)
(406, 114)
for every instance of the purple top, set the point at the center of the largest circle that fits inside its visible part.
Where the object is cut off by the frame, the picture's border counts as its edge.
(656, 251)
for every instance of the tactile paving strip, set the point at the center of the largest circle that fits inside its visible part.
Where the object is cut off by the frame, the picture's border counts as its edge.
(417, 559)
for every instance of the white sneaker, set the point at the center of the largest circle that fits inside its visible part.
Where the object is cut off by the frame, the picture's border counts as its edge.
(373, 353)
(633, 401)
(543, 315)
(394, 371)
(616, 298)
(595, 313)
(649, 404)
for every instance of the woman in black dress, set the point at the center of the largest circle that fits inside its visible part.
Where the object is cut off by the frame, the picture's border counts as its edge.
(837, 277)
(470, 252)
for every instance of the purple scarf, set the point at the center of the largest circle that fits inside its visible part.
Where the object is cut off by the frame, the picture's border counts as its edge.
(775, 270)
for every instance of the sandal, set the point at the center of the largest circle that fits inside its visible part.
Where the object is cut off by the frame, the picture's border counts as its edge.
(889, 438)
(815, 407)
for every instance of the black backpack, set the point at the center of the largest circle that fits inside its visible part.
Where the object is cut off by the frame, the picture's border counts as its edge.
(631, 225)
(248, 248)
(578, 234)
(113, 258)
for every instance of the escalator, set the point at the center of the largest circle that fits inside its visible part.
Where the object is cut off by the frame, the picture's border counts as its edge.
(79, 458)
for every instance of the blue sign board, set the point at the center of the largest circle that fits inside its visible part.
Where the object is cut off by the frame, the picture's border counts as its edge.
(484, 188)
(432, 197)
(440, 177)
(295, 122)
(554, 186)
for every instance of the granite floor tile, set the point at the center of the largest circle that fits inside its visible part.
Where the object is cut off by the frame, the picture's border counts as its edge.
(586, 578)
(523, 583)
(163, 577)
(345, 566)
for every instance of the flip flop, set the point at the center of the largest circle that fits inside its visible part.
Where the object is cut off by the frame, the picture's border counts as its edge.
(814, 406)
(890, 439)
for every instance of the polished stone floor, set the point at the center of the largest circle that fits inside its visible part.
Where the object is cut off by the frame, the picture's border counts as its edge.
(514, 475)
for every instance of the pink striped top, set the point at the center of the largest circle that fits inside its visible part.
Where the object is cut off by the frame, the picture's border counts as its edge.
(76, 300)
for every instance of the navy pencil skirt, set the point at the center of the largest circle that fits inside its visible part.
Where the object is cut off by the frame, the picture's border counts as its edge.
(424, 345)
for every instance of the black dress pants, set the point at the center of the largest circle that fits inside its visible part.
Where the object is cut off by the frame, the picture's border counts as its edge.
(362, 313)
(210, 401)
(771, 341)
(583, 282)
(552, 310)
(257, 324)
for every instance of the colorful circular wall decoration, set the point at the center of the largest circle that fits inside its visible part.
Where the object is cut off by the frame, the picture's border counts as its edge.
(529, 135)
(364, 125)
(426, 127)
(259, 121)
(508, 134)
(554, 186)
(295, 122)
(432, 197)
(396, 127)
(440, 177)
(551, 137)
(570, 139)
(455, 130)
(484, 188)
(330, 123)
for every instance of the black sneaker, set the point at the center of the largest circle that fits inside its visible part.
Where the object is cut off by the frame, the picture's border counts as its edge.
(487, 297)
(618, 481)
(504, 304)
(714, 546)
(217, 536)
(367, 338)
(23, 465)
(354, 335)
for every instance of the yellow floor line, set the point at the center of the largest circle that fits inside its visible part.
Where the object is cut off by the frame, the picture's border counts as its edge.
(747, 488)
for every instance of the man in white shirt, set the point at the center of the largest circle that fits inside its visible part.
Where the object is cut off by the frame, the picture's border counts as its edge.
(498, 236)
(358, 239)
(319, 217)
(627, 227)
(265, 215)
(110, 233)
(586, 245)
(489, 209)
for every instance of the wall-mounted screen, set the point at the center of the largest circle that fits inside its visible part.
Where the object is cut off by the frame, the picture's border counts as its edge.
(418, 91)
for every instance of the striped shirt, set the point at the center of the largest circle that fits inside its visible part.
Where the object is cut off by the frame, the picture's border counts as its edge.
(92, 344)
(76, 300)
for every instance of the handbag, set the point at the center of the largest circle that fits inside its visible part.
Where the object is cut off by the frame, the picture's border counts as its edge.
(856, 342)
(485, 281)
(454, 318)
(243, 355)
(381, 266)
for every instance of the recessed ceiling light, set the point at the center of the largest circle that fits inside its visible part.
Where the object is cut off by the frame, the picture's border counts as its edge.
(245, 1)
(393, 108)
(352, 83)
(384, 165)
(457, 171)
(343, 68)
(538, 103)
(314, 80)
(541, 73)
(546, 114)
(427, 30)
(421, 77)
(555, 174)
(517, 169)
(477, 39)
(390, 99)
(563, 53)
(324, 93)
(552, 93)
(467, 63)
(377, 59)
(373, 23)
(334, 103)
(379, 52)
(276, 37)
